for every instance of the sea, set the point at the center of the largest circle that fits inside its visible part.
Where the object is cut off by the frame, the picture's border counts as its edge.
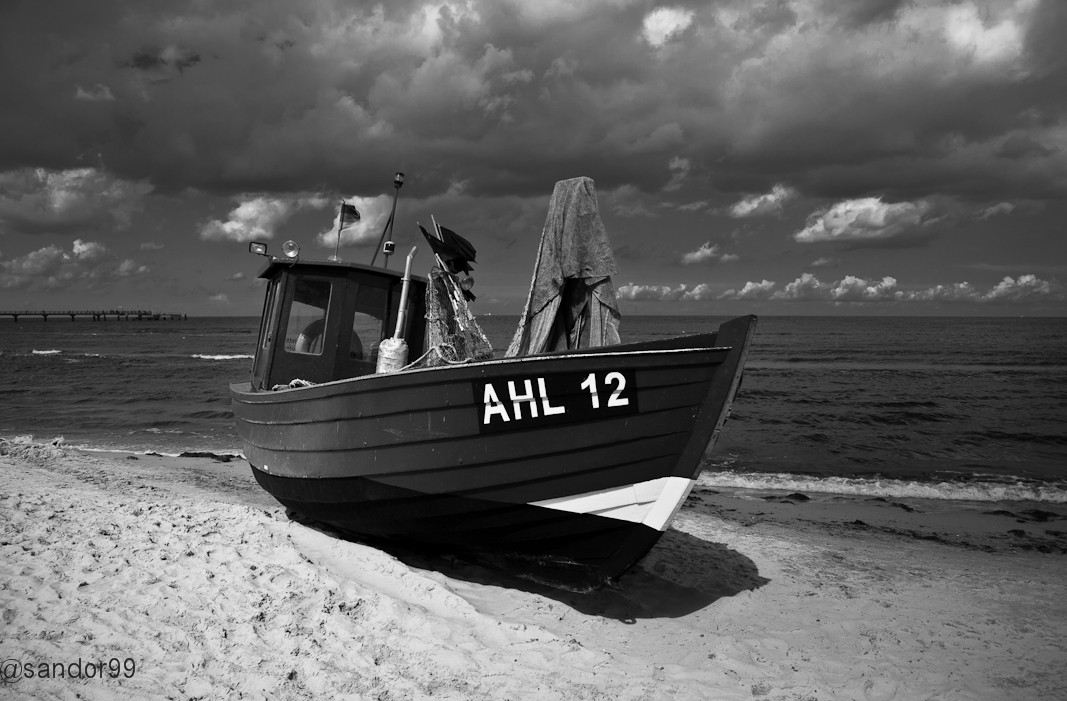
(940, 408)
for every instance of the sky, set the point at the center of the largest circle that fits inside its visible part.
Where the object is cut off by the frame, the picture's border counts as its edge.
(867, 157)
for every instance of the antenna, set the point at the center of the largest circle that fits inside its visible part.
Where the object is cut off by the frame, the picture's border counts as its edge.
(398, 182)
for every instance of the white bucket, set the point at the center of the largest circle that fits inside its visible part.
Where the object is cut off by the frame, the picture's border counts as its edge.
(392, 355)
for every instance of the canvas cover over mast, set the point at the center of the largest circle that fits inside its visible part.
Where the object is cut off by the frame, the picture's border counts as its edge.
(571, 303)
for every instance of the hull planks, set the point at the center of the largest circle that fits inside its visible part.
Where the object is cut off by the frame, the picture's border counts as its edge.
(568, 465)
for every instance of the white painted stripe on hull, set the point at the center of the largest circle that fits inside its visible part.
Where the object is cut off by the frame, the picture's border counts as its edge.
(653, 503)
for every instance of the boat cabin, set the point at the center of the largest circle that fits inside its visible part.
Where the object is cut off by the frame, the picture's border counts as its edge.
(323, 320)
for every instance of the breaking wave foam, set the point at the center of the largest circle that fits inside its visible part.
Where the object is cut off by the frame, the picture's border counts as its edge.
(46, 352)
(961, 491)
(239, 356)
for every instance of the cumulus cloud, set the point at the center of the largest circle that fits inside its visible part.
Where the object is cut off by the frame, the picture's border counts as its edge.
(862, 219)
(88, 264)
(258, 217)
(664, 293)
(664, 23)
(807, 286)
(374, 213)
(38, 200)
(1025, 288)
(859, 291)
(854, 289)
(757, 205)
(826, 262)
(1020, 289)
(751, 290)
(983, 41)
(221, 299)
(236, 277)
(708, 253)
(152, 246)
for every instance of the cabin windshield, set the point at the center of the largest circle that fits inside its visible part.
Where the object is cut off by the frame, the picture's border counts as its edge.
(323, 323)
(368, 322)
(306, 326)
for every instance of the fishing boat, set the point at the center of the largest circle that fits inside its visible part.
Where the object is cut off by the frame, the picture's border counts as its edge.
(562, 460)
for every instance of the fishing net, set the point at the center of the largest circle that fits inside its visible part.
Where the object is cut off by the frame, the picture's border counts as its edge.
(452, 334)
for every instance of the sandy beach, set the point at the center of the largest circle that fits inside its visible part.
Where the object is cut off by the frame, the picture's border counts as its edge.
(159, 577)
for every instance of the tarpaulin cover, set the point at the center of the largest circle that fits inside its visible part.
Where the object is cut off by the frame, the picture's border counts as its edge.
(572, 302)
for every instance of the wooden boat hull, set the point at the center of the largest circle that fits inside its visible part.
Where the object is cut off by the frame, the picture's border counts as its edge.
(568, 464)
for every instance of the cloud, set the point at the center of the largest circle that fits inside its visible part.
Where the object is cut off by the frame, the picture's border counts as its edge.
(807, 286)
(1022, 289)
(854, 289)
(236, 277)
(1021, 146)
(101, 93)
(162, 59)
(999, 208)
(220, 299)
(862, 219)
(708, 253)
(983, 41)
(374, 213)
(626, 201)
(509, 99)
(758, 205)
(681, 293)
(664, 23)
(88, 264)
(826, 262)
(751, 290)
(258, 217)
(152, 246)
(693, 206)
(80, 200)
(679, 168)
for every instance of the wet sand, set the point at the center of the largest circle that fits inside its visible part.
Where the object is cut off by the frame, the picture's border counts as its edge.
(196, 583)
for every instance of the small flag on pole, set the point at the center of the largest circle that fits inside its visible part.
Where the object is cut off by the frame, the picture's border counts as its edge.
(349, 215)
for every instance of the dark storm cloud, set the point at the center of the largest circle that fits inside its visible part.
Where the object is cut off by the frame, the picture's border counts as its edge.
(857, 13)
(162, 58)
(833, 100)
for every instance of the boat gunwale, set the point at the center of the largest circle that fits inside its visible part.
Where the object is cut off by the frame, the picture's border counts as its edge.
(247, 395)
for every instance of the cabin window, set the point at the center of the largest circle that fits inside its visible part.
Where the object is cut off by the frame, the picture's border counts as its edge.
(266, 332)
(367, 322)
(306, 327)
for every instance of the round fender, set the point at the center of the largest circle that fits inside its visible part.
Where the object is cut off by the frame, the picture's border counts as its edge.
(310, 339)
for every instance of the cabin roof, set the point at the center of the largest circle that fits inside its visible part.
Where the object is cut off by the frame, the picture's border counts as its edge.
(328, 267)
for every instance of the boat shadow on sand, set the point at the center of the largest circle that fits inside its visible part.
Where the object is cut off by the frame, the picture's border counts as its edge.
(682, 574)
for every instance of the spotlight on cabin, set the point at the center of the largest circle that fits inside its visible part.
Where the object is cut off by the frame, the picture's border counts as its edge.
(290, 249)
(398, 180)
(466, 283)
(388, 248)
(260, 249)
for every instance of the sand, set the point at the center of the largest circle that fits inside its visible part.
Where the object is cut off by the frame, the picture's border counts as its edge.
(183, 579)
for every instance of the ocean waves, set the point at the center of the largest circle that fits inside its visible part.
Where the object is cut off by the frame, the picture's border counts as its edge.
(963, 490)
(234, 356)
